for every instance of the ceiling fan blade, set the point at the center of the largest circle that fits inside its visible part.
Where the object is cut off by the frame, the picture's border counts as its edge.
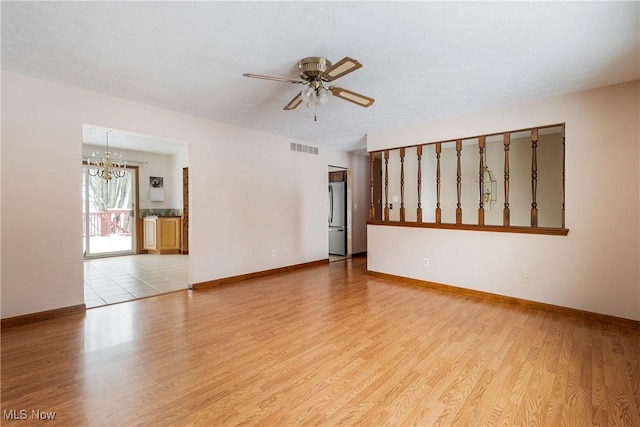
(294, 102)
(356, 98)
(340, 68)
(277, 79)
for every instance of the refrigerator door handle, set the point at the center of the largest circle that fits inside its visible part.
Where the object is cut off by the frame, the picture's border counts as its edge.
(330, 205)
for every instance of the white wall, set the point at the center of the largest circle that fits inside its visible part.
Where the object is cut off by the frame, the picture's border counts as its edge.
(176, 163)
(249, 193)
(595, 267)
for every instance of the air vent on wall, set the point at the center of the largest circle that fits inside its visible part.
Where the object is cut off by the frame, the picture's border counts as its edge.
(304, 148)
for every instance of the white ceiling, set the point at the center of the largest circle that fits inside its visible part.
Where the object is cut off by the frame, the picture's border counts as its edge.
(421, 60)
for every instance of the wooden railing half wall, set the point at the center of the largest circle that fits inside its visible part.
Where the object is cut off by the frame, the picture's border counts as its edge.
(434, 178)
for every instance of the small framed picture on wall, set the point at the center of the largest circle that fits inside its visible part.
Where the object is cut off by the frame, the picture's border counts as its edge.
(156, 181)
(156, 190)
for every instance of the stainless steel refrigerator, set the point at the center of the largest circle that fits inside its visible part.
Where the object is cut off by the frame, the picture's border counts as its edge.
(337, 218)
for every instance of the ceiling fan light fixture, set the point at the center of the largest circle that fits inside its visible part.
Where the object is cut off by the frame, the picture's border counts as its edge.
(307, 93)
(323, 95)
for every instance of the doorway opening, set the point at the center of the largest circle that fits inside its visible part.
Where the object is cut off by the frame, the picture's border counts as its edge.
(339, 215)
(117, 265)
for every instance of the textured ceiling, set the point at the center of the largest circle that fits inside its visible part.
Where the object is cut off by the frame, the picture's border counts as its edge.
(421, 60)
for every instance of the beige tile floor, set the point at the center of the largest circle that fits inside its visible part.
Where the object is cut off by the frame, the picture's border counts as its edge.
(124, 278)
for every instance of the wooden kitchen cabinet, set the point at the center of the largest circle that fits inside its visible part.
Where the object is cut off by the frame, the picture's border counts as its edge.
(162, 235)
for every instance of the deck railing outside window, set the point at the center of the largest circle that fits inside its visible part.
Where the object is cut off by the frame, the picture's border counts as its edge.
(113, 221)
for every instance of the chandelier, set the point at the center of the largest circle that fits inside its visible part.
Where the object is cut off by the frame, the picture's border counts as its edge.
(488, 191)
(109, 166)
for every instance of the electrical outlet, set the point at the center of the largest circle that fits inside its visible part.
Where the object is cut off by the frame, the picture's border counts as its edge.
(526, 278)
(425, 262)
(274, 252)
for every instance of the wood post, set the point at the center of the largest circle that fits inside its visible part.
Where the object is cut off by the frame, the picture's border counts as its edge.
(481, 148)
(402, 213)
(438, 210)
(563, 169)
(459, 181)
(534, 177)
(386, 185)
(419, 211)
(506, 213)
(372, 208)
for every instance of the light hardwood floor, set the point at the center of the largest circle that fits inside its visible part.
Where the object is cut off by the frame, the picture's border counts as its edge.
(326, 346)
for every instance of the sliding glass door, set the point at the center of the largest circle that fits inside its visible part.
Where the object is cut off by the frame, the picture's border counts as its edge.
(108, 214)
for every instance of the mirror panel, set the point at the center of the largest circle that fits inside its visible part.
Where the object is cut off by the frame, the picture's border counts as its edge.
(411, 184)
(549, 192)
(469, 161)
(377, 186)
(494, 194)
(393, 192)
(448, 182)
(428, 196)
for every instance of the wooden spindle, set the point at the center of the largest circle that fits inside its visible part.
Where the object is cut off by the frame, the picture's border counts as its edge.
(481, 148)
(386, 185)
(438, 210)
(402, 216)
(563, 169)
(506, 213)
(419, 212)
(534, 177)
(459, 181)
(372, 208)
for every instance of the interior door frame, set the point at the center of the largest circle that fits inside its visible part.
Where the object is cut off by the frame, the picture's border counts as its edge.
(184, 246)
(349, 203)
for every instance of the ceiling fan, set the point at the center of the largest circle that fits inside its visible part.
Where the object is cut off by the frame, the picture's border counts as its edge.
(314, 72)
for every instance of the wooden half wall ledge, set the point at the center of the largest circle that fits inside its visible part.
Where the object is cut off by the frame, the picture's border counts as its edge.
(549, 231)
(241, 277)
(42, 315)
(587, 315)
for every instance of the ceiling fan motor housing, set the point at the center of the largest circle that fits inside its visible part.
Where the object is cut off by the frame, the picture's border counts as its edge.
(311, 68)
